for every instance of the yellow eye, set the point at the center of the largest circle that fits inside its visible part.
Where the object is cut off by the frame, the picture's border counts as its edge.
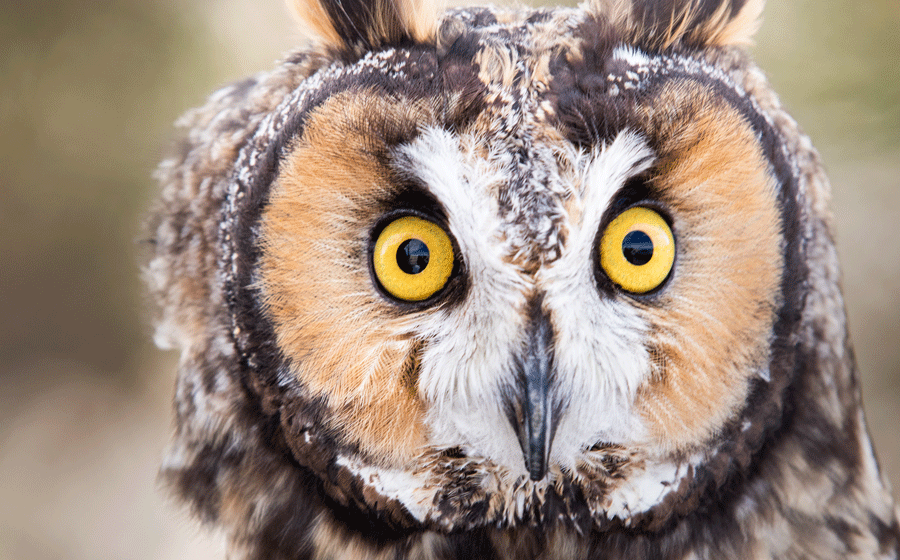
(637, 250)
(413, 258)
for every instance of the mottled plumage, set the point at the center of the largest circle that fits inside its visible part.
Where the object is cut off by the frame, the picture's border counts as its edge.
(536, 402)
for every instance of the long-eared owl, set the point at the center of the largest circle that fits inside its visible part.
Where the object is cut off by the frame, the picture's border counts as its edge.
(512, 283)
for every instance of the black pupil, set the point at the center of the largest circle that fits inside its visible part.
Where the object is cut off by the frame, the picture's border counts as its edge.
(412, 256)
(637, 248)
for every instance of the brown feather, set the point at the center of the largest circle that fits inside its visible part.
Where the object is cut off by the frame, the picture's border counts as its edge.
(343, 24)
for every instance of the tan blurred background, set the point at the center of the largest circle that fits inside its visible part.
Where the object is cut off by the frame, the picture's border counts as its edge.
(88, 92)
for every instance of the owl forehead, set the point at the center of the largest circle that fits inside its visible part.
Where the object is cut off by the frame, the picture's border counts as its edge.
(533, 91)
(508, 79)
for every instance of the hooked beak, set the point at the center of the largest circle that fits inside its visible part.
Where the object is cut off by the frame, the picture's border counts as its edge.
(536, 424)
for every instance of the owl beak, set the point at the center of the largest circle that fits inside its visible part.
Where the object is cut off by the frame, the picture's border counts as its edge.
(537, 425)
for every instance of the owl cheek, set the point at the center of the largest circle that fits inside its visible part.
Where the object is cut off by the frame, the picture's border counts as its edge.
(685, 404)
(706, 348)
(701, 370)
(370, 401)
(710, 329)
(346, 352)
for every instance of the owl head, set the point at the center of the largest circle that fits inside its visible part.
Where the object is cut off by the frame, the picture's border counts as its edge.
(491, 268)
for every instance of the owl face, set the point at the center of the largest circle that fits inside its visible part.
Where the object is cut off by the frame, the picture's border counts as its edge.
(502, 265)
(496, 267)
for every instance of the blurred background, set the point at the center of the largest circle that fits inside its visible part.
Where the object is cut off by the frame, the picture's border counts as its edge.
(88, 92)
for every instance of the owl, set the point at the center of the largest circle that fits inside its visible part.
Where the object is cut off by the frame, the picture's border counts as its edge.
(509, 283)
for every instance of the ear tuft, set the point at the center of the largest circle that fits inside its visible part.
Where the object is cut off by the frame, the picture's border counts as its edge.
(739, 28)
(660, 24)
(368, 24)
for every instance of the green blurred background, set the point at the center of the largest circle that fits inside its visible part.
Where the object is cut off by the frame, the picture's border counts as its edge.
(88, 92)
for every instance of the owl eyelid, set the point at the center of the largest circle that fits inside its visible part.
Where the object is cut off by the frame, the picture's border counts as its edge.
(635, 191)
(653, 204)
(411, 199)
(401, 212)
